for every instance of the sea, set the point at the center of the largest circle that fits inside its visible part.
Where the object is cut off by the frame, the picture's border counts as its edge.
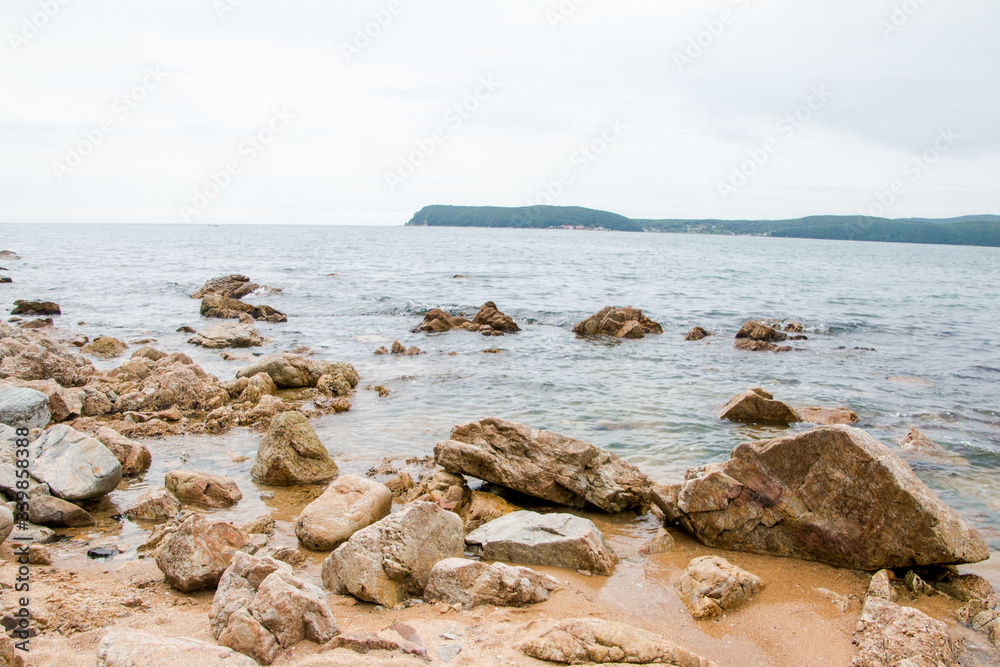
(904, 335)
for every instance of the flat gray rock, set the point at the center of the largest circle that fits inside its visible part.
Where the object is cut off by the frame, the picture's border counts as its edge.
(73, 464)
(24, 408)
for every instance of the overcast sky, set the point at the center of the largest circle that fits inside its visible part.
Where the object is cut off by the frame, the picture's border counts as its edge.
(217, 111)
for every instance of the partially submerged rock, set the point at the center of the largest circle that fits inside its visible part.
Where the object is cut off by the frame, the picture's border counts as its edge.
(348, 505)
(234, 286)
(133, 456)
(156, 504)
(203, 488)
(827, 416)
(627, 322)
(227, 334)
(833, 494)
(488, 320)
(491, 321)
(22, 307)
(759, 331)
(198, 552)
(711, 586)
(291, 454)
(291, 371)
(543, 464)
(124, 647)
(576, 641)
(73, 464)
(558, 540)
(216, 305)
(756, 406)
(471, 583)
(105, 347)
(57, 513)
(698, 333)
(24, 408)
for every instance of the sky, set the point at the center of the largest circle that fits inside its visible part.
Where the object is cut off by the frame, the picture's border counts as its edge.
(255, 111)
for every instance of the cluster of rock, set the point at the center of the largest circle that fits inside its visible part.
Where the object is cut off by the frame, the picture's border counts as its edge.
(221, 299)
(400, 349)
(489, 321)
(627, 322)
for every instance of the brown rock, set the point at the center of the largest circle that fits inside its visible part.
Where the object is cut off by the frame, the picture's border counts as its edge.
(203, 488)
(105, 347)
(133, 456)
(149, 352)
(748, 345)
(399, 638)
(55, 512)
(290, 371)
(227, 334)
(172, 381)
(627, 322)
(291, 454)
(755, 330)
(444, 489)
(698, 333)
(37, 323)
(482, 508)
(438, 321)
(756, 406)
(661, 543)
(488, 320)
(828, 416)
(492, 319)
(22, 307)
(233, 287)
(216, 305)
(711, 586)
(198, 552)
(348, 505)
(123, 647)
(156, 504)
(400, 485)
(471, 583)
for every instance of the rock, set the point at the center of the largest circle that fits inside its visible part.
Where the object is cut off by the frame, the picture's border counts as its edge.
(399, 637)
(43, 359)
(841, 602)
(261, 525)
(919, 445)
(227, 334)
(491, 320)
(38, 555)
(755, 330)
(216, 305)
(349, 504)
(794, 327)
(156, 504)
(584, 640)
(22, 307)
(37, 323)
(57, 513)
(711, 586)
(558, 540)
(827, 416)
(203, 488)
(962, 587)
(400, 349)
(391, 560)
(246, 635)
(625, 322)
(543, 464)
(444, 489)
(471, 583)
(400, 485)
(174, 381)
(233, 287)
(661, 543)
(482, 508)
(290, 371)
(198, 552)
(24, 408)
(5, 280)
(756, 406)
(6, 523)
(832, 494)
(63, 403)
(881, 585)
(748, 345)
(291, 454)
(131, 648)
(149, 352)
(133, 456)
(74, 465)
(105, 347)
(382, 350)
(185, 329)
(698, 333)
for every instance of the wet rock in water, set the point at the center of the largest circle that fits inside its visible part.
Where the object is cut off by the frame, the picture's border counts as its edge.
(291, 454)
(918, 445)
(37, 323)
(399, 638)
(625, 322)
(24, 408)
(22, 307)
(756, 406)
(833, 494)
(198, 552)
(291, 371)
(156, 504)
(698, 333)
(827, 416)
(748, 345)
(794, 327)
(391, 560)
(234, 286)
(134, 457)
(711, 586)
(471, 583)
(149, 352)
(558, 540)
(73, 464)
(488, 320)
(382, 350)
(105, 347)
(57, 513)
(482, 508)
(132, 648)
(661, 543)
(400, 349)
(756, 330)
(216, 305)
(576, 641)
(185, 329)
(101, 552)
(888, 634)
(227, 334)
(542, 464)
(348, 505)
(203, 488)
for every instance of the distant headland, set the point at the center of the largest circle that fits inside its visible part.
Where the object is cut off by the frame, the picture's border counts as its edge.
(974, 230)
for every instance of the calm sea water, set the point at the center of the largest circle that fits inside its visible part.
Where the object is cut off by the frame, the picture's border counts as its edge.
(928, 314)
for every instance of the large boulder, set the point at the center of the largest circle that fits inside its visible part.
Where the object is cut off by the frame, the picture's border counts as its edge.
(105, 347)
(124, 647)
(471, 583)
(291, 371)
(216, 305)
(558, 540)
(147, 386)
(198, 552)
(22, 307)
(627, 322)
(57, 513)
(203, 488)
(227, 334)
(391, 560)
(348, 505)
(234, 286)
(133, 456)
(543, 464)
(73, 464)
(832, 494)
(291, 454)
(490, 321)
(756, 406)
(24, 408)
(711, 586)
(575, 641)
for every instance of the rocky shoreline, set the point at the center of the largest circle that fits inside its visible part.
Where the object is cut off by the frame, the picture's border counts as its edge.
(510, 545)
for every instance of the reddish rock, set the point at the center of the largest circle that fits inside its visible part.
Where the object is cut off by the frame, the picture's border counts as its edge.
(627, 322)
